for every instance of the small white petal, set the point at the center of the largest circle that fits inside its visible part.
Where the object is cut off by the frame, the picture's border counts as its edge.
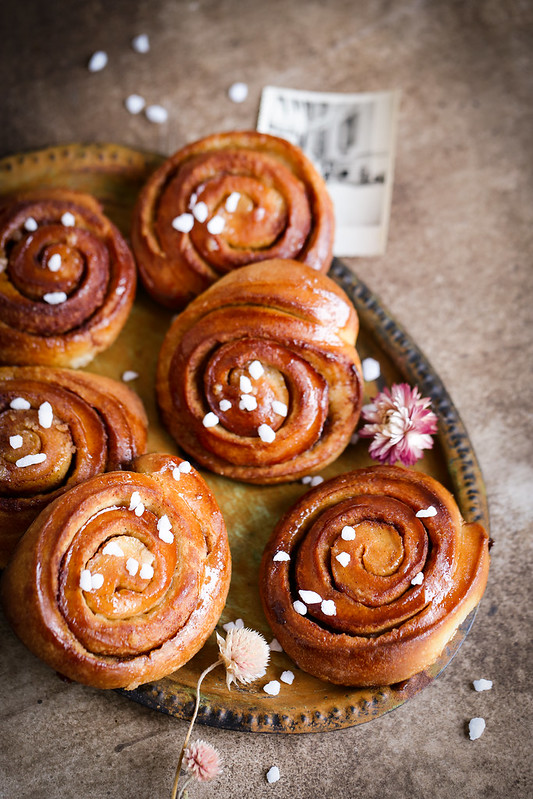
(200, 211)
(427, 513)
(224, 405)
(216, 225)
(210, 419)
(183, 223)
(31, 460)
(287, 677)
(275, 646)
(343, 558)
(280, 408)
(54, 262)
(348, 533)
(85, 580)
(30, 224)
(46, 415)
(55, 297)
(272, 688)
(112, 548)
(281, 556)
(132, 566)
(328, 607)
(141, 43)
(97, 61)
(476, 728)
(310, 597)
(147, 571)
(482, 685)
(134, 103)
(418, 579)
(307, 479)
(266, 433)
(97, 581)
(156, 114)
(238, 92)
(19, 404)
(371, 369)
(239, 624)
(15, 441)
(68, 219)
(245, 384)
(232, 202)
(229, 626)
(299, 607)
(129, 375)
(272, 774)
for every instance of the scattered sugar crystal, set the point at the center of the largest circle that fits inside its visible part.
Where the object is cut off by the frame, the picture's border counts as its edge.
(310, 597)
(418, 579)
(259, 214)
(54, 262)
(343, 558)
(46, 415)
(134, 103)
(280, 408)
(281, 556)
(272, 688)
(210, 419)
(266, 433)
(30, 224)
(316, 480)
(275, 646)
(216, 225)
(55, 297)
(156, 114)
(15, 441)
(134, 500)
(176, 474)
(426, 513)
(238, 92)
(139, 509)
(120, 290)
(348, 533)
(200, 211)
(248, 402)
(371, 369)
(476, 728)
(97, 581)
(193, 199)
(85, 580)
(68, 219)
(482, 685)
(328, 607)
(183, 223)
(132, 566)
(31, 460)
(147, 571)
(185, 467)
(97, 61)
(19, 404)
(224, 405)
(129, 375)
(164, 528)
(141, 43)
(287, 677)
(299, 607)
(256, 369)
(112, 548)
(245, 384)
(232, 202)
(272, 774)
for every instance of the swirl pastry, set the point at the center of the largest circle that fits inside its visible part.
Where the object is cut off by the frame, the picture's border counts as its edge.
(59, 427)
(258, 378)
(67, 279)
(368, 576)
(121, 580)
(225, 201)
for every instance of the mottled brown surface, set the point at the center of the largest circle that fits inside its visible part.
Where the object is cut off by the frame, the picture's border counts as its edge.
(457, 275)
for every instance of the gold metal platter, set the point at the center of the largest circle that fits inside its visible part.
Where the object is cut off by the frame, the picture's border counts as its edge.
(114, 174)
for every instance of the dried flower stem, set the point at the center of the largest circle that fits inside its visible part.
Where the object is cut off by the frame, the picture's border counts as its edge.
(183, 787)
(189, 731)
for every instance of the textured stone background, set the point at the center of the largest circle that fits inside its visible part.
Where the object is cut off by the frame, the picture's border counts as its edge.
(457, 274)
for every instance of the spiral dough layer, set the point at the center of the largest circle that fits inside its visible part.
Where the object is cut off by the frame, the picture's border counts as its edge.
(225, 201)
(122, 579)
(258, 379)
(368, 576)
(59, 427)
(67, 279)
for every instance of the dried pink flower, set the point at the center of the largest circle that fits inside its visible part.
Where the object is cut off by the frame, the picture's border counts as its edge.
(401, 424)
(245, 654)
(202, 760)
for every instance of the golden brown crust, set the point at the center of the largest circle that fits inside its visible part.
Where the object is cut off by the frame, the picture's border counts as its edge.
(377, 627)
(145, 620)
(282, 210)
(95, 424)
(301, 329)
(65, 290)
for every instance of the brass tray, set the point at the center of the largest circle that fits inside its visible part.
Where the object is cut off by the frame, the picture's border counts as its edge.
(114, 174)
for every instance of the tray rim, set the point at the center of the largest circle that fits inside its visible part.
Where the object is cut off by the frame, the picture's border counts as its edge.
(462, 466)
